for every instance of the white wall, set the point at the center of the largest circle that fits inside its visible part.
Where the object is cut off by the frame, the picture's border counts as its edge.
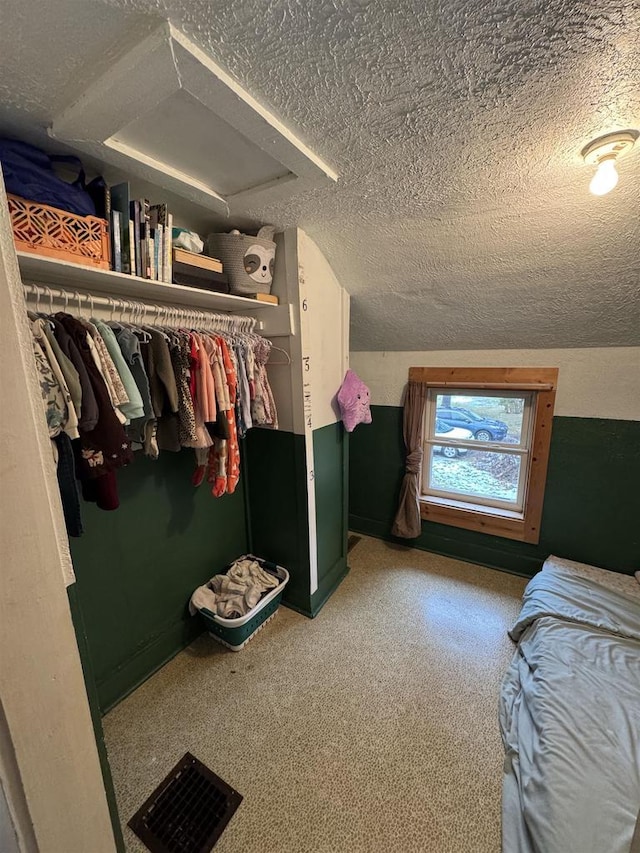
(327, 322)
(319, 347)
(593, 383)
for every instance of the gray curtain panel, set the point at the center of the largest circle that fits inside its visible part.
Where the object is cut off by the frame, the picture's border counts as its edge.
(407, 520)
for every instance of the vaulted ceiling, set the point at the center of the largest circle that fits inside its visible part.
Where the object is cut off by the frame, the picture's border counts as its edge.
(461, 218)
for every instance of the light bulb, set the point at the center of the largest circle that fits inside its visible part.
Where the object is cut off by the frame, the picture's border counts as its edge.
(605, 178)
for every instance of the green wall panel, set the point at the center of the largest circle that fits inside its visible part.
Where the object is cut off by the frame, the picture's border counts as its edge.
(331, 467)
(592, 501)
(277, 488)
(278, 508)
(94, 708)
(137, 567)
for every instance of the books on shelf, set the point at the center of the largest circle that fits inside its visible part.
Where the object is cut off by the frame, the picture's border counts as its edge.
(134, 213)
(142, 238)
(162, 223)
(120, 205)
(116, 240)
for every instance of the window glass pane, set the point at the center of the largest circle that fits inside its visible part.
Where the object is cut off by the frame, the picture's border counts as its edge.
(475, 473)
(483, 416)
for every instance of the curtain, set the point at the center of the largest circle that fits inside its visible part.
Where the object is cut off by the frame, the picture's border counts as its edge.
(407, 521)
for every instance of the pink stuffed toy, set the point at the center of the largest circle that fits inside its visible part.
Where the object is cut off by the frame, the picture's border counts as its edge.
(353, 399)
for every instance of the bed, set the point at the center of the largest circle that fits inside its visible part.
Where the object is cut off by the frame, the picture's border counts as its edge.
(570, 714)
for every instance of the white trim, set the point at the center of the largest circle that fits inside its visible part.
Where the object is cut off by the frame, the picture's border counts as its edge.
(45, 712)
(306, 368)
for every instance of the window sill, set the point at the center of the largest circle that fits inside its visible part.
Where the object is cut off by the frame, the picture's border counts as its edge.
(482, 519)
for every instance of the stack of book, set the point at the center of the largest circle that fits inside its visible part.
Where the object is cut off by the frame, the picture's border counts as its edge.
(195, 270)
(140, 235)
(207, 273)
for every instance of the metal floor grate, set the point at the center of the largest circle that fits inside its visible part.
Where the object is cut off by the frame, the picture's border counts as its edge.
(187, 812)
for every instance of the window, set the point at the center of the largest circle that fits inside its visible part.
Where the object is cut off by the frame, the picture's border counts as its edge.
(486, 444)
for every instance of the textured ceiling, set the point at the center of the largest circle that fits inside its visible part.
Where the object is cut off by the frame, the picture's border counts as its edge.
(461, 218)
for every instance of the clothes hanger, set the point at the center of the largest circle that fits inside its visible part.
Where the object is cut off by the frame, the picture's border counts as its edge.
(277, 363)
(76, 293)
(34, 291)
(112, 322)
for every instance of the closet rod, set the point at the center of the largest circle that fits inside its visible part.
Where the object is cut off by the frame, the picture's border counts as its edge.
(167, 315)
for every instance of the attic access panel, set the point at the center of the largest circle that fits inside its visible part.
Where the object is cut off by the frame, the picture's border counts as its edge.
(168, 113)
(215, 151)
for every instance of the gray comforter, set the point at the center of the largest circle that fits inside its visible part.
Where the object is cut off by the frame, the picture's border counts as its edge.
(570, 719)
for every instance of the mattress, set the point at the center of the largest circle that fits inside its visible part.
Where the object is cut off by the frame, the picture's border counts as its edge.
(626, 584)
(570, 715)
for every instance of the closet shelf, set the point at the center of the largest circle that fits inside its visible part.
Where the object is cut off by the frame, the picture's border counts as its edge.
(275, 320)
(37, 269)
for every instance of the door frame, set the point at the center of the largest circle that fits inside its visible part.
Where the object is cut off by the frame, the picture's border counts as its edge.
(49, 761)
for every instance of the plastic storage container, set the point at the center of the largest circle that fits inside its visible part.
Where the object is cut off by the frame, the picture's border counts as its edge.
(45, 230)
(236, 633)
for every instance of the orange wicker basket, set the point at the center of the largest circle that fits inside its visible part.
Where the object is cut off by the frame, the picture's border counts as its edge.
(56, 233)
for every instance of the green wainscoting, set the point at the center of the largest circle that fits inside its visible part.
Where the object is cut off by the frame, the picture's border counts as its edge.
(277, 487)
(592, 499)
(137, 567)
(331, 477)
(278, 508)
(96, 719)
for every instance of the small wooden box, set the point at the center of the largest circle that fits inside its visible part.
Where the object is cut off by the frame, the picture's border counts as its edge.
(46, 230)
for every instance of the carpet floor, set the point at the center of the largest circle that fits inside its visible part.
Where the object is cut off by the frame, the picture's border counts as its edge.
(371, 728)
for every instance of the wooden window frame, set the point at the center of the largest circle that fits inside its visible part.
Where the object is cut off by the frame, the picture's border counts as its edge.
(523, 526)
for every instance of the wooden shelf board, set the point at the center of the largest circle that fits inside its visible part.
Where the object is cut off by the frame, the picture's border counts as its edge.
(37, 269)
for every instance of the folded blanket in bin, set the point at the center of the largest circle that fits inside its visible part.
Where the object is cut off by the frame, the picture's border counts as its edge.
(234, 594)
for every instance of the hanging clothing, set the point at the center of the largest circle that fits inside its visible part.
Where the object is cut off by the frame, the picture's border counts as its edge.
(206, 389)
(219, 429)
(88, 415)
(68, 485)
(53, 401)
(171, 388)
(199, 389)
(179, 349)
(71, 377)
(104, 373)
(62, 423)
(134, 408)
(130, 348)
(106, 446)
(164, 391)
(243, 402)
(70, 420)
(263, 407)
(233, 449)
(109, 371)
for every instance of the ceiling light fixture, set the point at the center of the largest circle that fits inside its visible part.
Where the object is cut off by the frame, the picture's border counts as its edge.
(603, 153)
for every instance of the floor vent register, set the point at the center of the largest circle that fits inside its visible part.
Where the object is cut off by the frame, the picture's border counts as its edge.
(188, 811)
